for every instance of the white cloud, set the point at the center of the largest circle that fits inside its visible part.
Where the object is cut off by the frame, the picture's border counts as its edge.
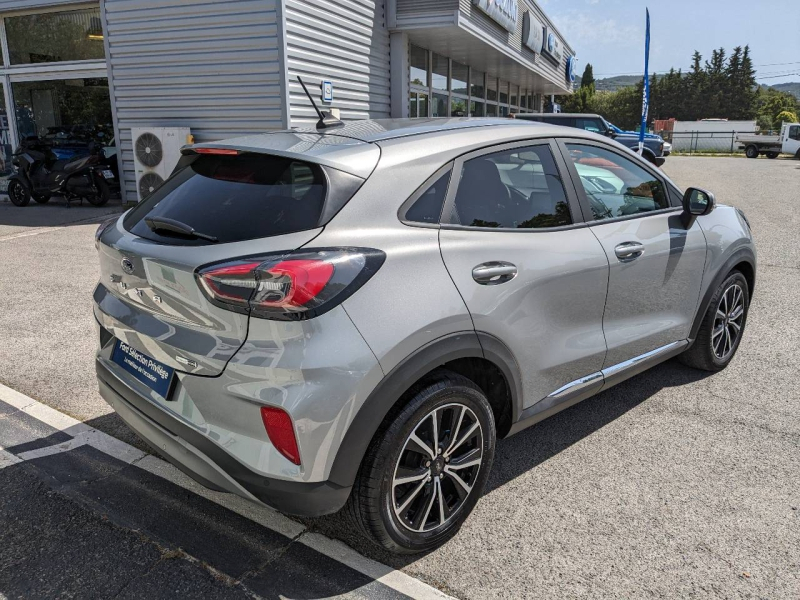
(577, 26)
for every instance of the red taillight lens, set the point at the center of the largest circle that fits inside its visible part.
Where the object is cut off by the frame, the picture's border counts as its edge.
(280, 430)
(218, 151)
(301, 285)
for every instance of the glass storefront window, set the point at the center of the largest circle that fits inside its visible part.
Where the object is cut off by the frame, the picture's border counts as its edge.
(514, 95)
(531, 104)
(439, 105)
(439, 79)
(491, 110)
(6, 168)
(64, 112)
(476, 109)
(503, 92)
(503, 111)
(476, 84)
(522, 99)
(491, 88)
(55, 37)
(419, 66)
(458, 107)
(459, 78)
(418, 105)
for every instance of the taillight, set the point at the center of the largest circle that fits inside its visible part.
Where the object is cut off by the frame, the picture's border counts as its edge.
(289, 286)
(280, 430)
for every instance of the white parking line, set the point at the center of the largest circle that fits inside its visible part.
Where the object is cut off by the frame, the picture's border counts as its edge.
(266, 517)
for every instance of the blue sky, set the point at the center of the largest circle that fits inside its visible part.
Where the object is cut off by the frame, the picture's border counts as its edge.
(610, 33)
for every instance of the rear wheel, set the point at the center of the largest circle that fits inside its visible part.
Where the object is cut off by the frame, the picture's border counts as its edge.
(18, 193)
(423, 474)
(103, 194)
(722, 327)
(772, 155)
(751, 152)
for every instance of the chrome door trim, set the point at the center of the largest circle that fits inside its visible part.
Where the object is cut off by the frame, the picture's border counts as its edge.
(574, 387)
(642, 361)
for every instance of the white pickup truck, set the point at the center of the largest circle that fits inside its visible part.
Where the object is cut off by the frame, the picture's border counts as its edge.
(788, 142)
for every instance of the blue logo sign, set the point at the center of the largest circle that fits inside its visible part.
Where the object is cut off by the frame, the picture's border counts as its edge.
(551, 42)
(327, 92)
(571, 69)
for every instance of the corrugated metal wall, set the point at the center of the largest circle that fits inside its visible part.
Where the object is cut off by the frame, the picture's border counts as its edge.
(210, 65)
(345, 42)
(423, 8)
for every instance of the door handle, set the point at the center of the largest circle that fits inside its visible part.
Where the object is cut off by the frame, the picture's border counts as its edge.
(494, 273)
(629, 250)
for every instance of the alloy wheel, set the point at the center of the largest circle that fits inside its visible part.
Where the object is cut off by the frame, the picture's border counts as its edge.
(437, 468)
(728, 322)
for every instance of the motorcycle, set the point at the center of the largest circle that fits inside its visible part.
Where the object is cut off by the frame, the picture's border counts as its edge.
(41, 175)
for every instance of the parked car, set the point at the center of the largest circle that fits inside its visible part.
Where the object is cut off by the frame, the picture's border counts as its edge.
(666, 148)
(352, 317)
(653, 144)
(787, 142)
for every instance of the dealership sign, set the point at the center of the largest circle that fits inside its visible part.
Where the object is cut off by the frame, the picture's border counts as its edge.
(571, 69)
(532, 32)
(502, 11)
(552, 47)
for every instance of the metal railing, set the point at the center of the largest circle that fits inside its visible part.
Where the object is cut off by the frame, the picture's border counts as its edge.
(706, 142)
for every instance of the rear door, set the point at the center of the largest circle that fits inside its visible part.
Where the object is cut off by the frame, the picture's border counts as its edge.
(148, 296)
(656, 264)
(531, 274)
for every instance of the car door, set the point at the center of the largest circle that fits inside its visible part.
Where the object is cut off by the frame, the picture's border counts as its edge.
(531, 273)
(792, 143)
(656, 264)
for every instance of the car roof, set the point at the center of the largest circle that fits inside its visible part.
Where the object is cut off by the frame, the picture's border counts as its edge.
(377, 130)
(556, 115)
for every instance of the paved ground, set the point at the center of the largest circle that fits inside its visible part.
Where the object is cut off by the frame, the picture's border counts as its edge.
(673, 484)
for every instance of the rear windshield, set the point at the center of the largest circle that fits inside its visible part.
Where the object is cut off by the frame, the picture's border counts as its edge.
(234, 198)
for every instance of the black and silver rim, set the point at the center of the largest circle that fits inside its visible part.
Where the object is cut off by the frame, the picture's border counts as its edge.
(728, 322)
(17, 192)
(437, 468)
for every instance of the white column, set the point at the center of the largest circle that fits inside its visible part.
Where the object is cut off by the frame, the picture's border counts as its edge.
(398, 72)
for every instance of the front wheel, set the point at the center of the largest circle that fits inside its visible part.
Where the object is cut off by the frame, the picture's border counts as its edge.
(423, 474)
(722, 327)
(103, 194)
(751, 152)
(18, 193)
(772, 155)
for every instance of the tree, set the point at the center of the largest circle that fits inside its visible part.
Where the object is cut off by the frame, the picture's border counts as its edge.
(785, 116)
(587, 79)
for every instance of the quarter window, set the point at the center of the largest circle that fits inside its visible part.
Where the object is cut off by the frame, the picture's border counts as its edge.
(519, 188)
(616, 186)
(428, 207)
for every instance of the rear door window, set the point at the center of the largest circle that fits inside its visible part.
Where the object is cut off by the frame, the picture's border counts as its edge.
(593, 125)
(519, 188)
(235, 198)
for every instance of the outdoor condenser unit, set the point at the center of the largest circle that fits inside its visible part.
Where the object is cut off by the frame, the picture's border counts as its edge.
(156, 151)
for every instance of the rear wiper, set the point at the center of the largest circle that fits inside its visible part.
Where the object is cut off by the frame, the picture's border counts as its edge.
(164, 224)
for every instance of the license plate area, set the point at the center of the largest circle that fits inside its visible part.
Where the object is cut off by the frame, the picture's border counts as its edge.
(107, 174)
(154, 374)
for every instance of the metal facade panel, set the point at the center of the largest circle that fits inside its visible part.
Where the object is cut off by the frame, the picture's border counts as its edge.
(342, 41)
(210, 65)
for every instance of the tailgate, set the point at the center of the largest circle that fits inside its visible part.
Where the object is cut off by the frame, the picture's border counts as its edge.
(148, 298)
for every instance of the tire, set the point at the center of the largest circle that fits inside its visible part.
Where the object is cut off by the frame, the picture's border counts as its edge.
(41, 199)
(711, 337)
(18, 193)
(772, 155)
(751, 152)
(375, 501)
(103, 194)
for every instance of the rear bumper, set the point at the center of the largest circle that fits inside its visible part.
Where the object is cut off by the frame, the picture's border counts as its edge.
(207, 462)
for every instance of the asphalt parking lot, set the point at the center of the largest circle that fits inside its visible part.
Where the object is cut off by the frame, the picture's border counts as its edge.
(672, 484)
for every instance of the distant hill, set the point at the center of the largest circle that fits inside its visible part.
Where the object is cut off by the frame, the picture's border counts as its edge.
(612, 84)
(792, 87)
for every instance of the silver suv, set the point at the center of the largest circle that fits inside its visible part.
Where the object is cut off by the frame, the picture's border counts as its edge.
(354, 316)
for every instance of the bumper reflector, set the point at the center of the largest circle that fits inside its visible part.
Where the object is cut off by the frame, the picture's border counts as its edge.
(280, 430)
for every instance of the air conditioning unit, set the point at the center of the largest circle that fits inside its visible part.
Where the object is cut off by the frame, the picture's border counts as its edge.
(156, 151)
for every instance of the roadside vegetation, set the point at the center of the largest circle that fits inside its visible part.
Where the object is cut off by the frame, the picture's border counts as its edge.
(723, 87)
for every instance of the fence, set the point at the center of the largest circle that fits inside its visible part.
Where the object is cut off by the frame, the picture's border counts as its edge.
(706, 142)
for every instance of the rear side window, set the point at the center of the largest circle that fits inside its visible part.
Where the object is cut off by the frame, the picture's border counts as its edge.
(519, 189)
(592, 125)
(235, 198)
(428, 207)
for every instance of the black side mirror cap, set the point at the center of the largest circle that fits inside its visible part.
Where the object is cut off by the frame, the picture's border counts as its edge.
(696, 203)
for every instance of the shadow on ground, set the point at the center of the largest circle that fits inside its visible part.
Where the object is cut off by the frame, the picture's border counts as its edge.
(16, 219)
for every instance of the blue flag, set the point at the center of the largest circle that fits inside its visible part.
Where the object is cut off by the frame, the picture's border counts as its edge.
(646, 93)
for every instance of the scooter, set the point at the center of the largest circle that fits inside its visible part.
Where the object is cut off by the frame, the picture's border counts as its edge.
(41, 175)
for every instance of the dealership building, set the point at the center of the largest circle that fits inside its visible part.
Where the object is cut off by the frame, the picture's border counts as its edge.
(225, 68)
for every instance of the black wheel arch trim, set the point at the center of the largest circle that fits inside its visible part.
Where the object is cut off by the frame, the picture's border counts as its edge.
(739, 256)
(464, 344)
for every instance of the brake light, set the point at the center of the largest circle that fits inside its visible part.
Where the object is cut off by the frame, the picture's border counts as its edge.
(222, 151)
(280, 431)
(293, 286)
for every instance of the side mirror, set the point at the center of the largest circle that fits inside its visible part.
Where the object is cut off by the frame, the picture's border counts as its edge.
(696, 203)
(611, 133)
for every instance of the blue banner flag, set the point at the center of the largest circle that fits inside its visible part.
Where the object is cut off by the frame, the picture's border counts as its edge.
(646, 92)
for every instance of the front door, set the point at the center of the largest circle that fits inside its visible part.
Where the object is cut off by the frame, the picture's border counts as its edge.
(656, 264)
(792, 144)
(530, 272)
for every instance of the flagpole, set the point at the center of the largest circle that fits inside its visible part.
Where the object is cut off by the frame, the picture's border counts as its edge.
(646, 89)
